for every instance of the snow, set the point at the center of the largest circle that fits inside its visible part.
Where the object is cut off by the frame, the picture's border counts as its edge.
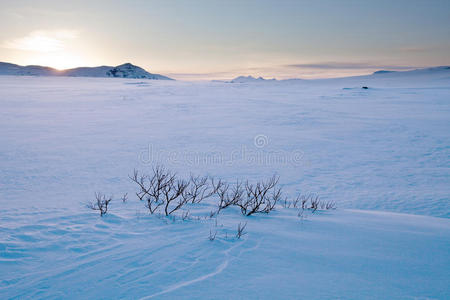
(342, 254)
(382, 154)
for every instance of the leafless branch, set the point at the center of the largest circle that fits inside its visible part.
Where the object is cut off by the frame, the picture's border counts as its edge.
(185, 215)
(240, 230)
(229, 196)
(101, 203)
(260, 197)
(124, 197)
(212, 236)
(198, 189)
(152, 187)
(171, 192)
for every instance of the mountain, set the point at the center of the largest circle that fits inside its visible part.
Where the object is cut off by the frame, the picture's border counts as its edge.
(433, 76)
(12, 69)
(247, 79)
(382, 72)
(424, 71)
(126, 70)
(437, 74)
(131, 71)
(88, 71)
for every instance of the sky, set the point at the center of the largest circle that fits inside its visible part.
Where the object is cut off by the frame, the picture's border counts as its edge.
(198, 40)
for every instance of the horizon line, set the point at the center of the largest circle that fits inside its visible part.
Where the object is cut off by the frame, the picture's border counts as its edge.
(205, 76)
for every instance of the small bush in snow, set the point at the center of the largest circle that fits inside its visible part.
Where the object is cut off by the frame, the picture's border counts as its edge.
(198, 189)
(313, 202)
(150, 188)
(228, 196)
(260, 197)
(161, 188)
(124, 197)
(212, 236)
(101, 203)
(287, 204)
(240, 230)
(172, 194)
(185, 215)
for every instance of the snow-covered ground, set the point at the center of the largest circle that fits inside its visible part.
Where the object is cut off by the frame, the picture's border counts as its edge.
(382, 154)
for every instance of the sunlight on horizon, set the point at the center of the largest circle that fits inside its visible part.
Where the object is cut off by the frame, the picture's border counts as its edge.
(50, 48)
(59, 61)
(219, 41)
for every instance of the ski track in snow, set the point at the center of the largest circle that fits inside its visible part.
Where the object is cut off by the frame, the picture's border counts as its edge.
(218, 270)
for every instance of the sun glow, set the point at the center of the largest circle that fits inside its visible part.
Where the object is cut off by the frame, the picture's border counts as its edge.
(57, 60)
(52, 48)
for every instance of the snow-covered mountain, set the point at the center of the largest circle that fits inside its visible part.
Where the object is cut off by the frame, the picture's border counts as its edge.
(126, 70)
(433, 73)
(12, 69)
(424, 71)
(88, 71)
(131, 71)
(246, 79)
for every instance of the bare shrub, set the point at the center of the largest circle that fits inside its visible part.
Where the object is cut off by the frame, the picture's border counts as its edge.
(185, 215)
(212, 236)
(172, 192)
(198, 189)
(296, 202)
(124, 197)
(229, 196)
(101, 203)
(240, 230)
(260, 197)
(151, 187)
(160, 189)
(330, 205)
(304, 202)
(212, 214)
(313, 202)
(286, 203)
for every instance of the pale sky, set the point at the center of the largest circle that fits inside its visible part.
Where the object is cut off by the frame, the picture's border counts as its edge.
(223, 39)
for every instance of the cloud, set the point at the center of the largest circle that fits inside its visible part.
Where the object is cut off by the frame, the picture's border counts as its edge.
(201, 76)
(348, 66)
(42, 41)
(415, 49)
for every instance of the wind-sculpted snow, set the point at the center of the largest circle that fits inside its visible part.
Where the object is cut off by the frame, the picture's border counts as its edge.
(384, 150)
(53, 254)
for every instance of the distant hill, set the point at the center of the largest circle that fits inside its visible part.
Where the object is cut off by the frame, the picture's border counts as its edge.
(382, 72)
(126, 70)
(436, 76)
(245, 79)
(433, 73)
(424, 71)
